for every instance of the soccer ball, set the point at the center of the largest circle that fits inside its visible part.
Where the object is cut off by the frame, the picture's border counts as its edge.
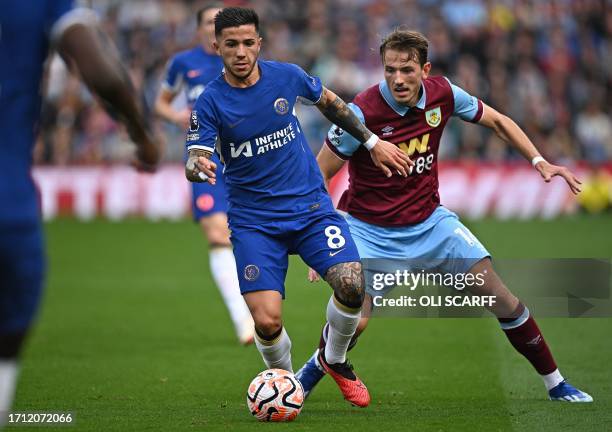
(275, 395)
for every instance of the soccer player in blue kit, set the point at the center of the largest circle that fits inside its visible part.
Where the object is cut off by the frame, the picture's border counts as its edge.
(194, 69)
(27, 28)
(278, 204)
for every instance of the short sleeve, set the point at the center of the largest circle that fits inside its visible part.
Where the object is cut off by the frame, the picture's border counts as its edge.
(342, 143)
(173, 79)
(62, 14)
(467, 107)
(308, 87)
(203, 129)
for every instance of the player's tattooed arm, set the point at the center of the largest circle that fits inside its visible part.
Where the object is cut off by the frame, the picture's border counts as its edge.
(385, 155)
(348, 283)
(339, 113)
(199, 168)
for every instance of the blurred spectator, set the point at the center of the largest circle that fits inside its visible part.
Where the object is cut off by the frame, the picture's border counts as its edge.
(596, 195)
(547, 63)
(594, 132)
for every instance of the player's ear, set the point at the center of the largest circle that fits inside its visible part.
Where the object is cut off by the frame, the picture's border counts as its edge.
(216, 47)
(426, 69)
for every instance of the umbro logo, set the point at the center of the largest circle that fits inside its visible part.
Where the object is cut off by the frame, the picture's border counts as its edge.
(331, 254)
(387, 130)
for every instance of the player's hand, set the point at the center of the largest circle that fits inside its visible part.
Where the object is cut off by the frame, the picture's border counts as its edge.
(199, 168)
(548, 171)
(183, 118)
(390, 159)
(313, 276)
(147, 153)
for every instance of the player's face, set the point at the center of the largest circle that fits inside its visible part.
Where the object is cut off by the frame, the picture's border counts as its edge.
(239, 47)
(206, 31)
(404, 75)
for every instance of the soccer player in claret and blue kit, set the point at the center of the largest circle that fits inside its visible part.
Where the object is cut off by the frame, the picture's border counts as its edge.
(278, 204)
(402, 217)
(29, 28)
(193, 70)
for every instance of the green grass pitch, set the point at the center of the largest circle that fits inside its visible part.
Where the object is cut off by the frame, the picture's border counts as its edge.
(133, 336)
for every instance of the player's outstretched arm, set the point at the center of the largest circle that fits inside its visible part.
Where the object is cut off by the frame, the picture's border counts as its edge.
(386, 156)
(85, 47)
(164, 109)
(509, 131)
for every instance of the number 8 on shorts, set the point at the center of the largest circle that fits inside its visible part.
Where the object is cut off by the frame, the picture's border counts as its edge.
(334, 237)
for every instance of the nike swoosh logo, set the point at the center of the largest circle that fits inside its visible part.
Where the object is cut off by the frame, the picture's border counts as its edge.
(331, 254)
(233, 125)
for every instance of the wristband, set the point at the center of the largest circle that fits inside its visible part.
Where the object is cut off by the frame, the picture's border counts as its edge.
(537, 160)
(371, 142)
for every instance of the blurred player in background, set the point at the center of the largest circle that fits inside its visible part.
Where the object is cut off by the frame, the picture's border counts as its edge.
(278, 202)
(29, 27)
(194, 69)
(402, 217)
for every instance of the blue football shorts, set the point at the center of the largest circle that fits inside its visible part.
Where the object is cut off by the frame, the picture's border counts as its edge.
(322, 240)
(207, 199)
(22, 268)
(440, 243)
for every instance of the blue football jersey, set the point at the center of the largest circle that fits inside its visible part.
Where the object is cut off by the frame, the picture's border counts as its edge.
(270, 172)
(26, 30)
(193, 69)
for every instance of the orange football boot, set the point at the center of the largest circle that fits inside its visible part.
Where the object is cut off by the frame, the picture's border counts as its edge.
(350, 385)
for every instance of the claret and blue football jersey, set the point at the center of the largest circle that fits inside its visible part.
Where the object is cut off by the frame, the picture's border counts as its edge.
(270, 171)
(398, 201)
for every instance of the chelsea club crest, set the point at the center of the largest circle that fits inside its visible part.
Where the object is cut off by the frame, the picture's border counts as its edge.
(281, 106)
(251, 272)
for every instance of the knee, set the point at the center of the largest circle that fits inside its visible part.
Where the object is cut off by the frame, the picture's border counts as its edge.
(350, 295)
(348, 283)
(267, 324)
(216, 231)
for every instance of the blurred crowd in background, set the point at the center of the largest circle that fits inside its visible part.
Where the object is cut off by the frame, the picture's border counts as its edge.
(545, 63)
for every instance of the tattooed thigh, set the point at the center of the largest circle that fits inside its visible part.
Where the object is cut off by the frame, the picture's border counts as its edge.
(348, 283)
